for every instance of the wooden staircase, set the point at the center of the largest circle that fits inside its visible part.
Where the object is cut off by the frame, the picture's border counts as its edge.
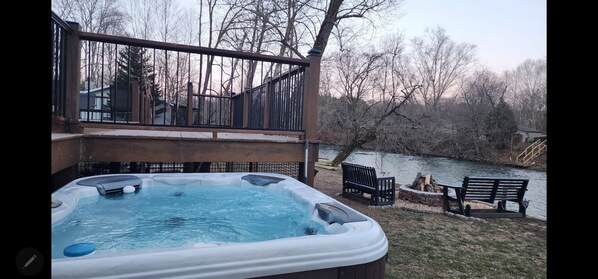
(531, 152)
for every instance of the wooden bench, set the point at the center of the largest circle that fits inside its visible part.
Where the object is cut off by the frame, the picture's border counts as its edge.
(487, 189)
(358, 180)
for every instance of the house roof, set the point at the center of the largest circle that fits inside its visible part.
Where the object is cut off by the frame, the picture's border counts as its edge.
(94, 90)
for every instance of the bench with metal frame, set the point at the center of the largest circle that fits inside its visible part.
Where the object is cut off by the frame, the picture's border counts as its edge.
(487, 189)
(359, 180)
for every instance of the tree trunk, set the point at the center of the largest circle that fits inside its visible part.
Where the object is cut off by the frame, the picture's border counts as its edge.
(327, 25)
(345, 152)
(357, 142)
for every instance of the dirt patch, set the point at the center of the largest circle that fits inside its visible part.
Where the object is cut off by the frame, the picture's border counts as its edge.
(428, 244)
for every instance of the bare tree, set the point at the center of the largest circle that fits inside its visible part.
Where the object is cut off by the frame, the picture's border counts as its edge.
(97, 16)
(292, 22)
(328, 119)
(63, 8)
(218, 26)
(371, 91)
(527, 93)
(293, 13)
(439, 62)
(168, 12)
(478, 95)
(142, 19)
(253, 26)
(338, 10)
(174, 24)
(284, 23)
(267, 26)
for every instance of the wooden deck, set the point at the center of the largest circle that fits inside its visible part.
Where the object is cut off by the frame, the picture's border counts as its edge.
(124, 145)
(268, 118)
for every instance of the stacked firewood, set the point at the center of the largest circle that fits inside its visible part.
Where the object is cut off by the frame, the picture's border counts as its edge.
(425, 183)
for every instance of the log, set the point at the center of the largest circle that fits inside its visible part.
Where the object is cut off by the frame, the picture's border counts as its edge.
(428, 188)
(325, 164)
(425, 183)
(415, 184)
(326, 167)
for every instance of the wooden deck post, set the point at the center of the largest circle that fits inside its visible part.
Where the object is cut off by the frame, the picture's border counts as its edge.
(310, 98)
(310, 109)
(246, 100)
(266, 97)
(135, 100)
(189, 104)
(148, 110)
(73, 78)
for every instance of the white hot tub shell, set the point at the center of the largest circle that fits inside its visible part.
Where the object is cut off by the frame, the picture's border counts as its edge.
(354, 239)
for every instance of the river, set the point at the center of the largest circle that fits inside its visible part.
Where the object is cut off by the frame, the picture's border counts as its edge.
(446, 171)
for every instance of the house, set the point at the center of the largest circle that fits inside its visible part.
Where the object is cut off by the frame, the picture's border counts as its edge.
(93, 103)
(163, 110)
(529, 134)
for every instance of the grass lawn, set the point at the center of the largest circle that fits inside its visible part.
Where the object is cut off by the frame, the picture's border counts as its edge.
(430, 245)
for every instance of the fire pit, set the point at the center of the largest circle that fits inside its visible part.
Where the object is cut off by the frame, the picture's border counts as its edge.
(424, 190)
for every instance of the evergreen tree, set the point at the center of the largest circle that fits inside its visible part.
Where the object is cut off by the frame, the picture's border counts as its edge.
(133, 62)
(501, 125)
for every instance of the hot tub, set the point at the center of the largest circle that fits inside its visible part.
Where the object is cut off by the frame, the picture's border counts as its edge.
(152, 226)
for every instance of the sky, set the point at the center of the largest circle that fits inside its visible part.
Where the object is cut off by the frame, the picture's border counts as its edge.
(506, 32)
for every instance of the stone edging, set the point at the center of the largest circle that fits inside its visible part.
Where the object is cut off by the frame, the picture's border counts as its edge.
(426, 198)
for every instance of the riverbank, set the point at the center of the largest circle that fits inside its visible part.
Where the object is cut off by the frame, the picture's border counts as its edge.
(502, 158)
(423, 245)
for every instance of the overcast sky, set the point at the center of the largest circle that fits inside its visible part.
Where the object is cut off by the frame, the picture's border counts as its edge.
(506, 32)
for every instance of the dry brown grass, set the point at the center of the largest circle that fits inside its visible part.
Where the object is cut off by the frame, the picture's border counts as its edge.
(424, 245)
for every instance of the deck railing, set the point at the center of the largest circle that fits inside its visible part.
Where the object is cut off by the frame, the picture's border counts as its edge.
(60, 31)
(277, 104)
(127, 81)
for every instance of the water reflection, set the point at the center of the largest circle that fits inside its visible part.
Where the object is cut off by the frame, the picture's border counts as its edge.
(447, 171)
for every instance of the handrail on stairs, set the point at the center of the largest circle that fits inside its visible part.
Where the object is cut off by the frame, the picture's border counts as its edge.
(532, 151)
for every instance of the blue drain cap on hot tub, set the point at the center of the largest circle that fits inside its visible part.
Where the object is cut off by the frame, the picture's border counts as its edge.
(79, 249)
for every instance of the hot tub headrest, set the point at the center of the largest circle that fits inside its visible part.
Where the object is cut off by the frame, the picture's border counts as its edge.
(334, 212)
(261, 180)
(113, 184)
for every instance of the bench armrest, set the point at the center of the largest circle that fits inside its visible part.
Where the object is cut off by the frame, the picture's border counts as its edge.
(386, 183)
(386, 178)
(445, 190)
(449, 186)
